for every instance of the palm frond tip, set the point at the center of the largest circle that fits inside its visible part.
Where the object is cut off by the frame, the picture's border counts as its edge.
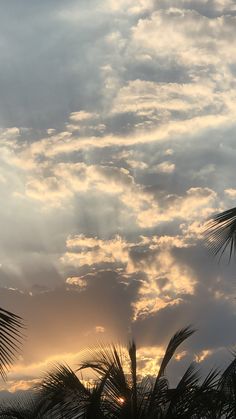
(220, 233)
(176, 340)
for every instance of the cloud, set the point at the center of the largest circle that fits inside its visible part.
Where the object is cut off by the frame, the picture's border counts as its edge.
(165, 167)
(95, 251)
(130, 6)
(81, 116)
(162, 279)
(231, 192)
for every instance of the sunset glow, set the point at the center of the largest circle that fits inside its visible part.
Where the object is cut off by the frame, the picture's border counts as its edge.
(117, 143)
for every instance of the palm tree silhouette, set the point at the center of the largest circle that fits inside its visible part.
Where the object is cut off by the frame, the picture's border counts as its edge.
(11, 337)
(118, 391)
(220, 233)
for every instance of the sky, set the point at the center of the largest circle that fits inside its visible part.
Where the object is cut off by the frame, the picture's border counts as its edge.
(117, 143)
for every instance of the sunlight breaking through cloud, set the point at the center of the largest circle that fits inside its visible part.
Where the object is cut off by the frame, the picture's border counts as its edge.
(117, 143)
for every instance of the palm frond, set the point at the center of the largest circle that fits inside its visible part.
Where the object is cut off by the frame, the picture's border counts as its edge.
(23, 407)
(181, 398)
(11, 336)
(228, 375)
(97, 403)
(227, 389)
(189, 379)
(121, 390)
(210, 380)
(62, 391)
(208, 401)
(133, 368)
(133, 362)
(110, 358)
(158, 398)
(176, 340)
(179, 337)
(220, 233)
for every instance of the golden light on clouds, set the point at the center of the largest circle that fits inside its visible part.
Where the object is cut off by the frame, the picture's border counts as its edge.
(203, 355)
(117, 143)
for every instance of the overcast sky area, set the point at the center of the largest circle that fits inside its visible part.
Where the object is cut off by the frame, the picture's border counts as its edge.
(117, 143)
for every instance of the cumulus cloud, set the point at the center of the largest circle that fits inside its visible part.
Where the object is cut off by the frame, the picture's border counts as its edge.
(162, 278)
(165, 167)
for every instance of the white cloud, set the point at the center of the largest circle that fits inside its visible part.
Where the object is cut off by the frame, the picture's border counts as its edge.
(93, 251)
(165, 167)
(231, 193)
(81, 116)
(151, 257)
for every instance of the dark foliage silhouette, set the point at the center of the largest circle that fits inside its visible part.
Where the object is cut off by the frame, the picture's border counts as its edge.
(220, 233)
(119, 392)
(11, 336)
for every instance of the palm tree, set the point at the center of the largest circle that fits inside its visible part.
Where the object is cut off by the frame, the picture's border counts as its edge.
(118, 392)
(220, 233)
(11, 336)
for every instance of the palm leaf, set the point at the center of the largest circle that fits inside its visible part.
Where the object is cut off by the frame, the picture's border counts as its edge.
(227, 388)
(110, 359)
(158, 398)
(97, 404)
(227, 376)
(182, 396)
(220, 233)
(23, 407)
(133, 367)
(11, 336)
(208, 401)
(178, 338)
(62, 391)
(121, 389)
